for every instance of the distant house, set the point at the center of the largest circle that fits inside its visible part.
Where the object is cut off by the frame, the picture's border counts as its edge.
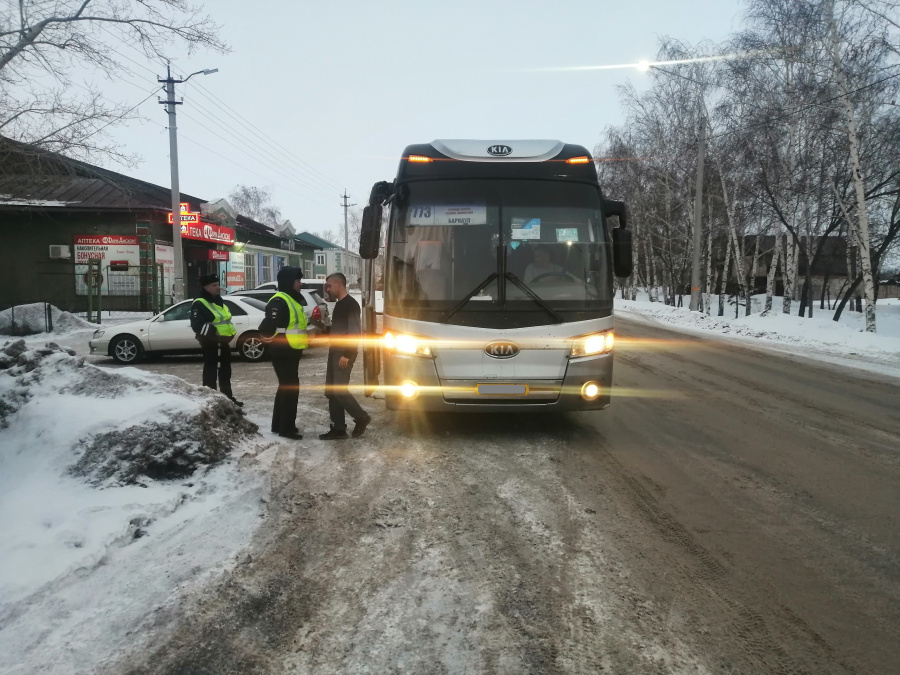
(829, 272)
(330, 258)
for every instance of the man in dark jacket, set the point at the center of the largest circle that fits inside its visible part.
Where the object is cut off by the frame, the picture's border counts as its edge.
(345, 333)
(211, 323)
(284, 328)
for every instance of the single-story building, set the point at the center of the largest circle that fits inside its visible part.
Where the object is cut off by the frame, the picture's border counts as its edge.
(72, 230)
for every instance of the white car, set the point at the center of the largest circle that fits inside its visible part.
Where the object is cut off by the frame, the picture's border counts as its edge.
(170, 333)
(318, 315)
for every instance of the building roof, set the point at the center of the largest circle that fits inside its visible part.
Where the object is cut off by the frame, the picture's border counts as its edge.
(316, 241)
(251, 225)
(35, 178)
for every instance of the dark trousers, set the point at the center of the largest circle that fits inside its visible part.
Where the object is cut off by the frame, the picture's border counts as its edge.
(286, 362)
(217, 366)
(340, 400)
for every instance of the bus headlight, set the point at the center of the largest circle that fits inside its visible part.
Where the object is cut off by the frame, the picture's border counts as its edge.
(402, 343)
(595, 343)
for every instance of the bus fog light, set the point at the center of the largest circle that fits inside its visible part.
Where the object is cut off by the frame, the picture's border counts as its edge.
(590, 391)
(409, 389)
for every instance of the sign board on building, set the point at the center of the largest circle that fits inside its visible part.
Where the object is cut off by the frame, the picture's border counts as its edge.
(234, 275)
(218, 255)
(193, 228)
(113, 250)
(217, 234)
(187, 216)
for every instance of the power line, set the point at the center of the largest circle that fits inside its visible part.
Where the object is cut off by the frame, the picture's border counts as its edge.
(305, 173)
(273, 160)
(261, 159)
(96, 131)
(238, 164)
(311, 169)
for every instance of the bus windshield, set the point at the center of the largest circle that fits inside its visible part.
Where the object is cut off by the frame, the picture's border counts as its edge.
(474, 246)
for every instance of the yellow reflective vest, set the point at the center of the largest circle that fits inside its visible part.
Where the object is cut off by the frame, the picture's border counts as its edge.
(222, 317)
(296, 330)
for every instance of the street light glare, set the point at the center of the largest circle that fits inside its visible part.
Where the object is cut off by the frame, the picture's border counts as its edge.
(645, 65)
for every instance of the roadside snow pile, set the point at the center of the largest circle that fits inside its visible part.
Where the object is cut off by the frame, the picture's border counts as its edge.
(163, 450)
(66, 425)
(118, 493)
(818, 337)
(192, 429)
(31, 320)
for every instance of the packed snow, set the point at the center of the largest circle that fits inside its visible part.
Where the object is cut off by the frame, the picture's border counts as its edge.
(118, 490)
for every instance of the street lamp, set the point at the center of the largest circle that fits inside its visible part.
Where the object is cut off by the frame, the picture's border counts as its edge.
(178, 291)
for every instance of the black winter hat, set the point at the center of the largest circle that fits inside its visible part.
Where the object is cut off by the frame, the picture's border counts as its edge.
(207, 279)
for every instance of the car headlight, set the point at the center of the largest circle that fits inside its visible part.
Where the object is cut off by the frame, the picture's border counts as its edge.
(595, 343)
(402, 343)
(98, 333)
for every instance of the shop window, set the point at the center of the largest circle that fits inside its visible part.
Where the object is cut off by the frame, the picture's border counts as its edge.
(266, 275)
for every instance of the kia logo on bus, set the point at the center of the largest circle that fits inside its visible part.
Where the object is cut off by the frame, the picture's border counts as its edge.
(499, 150)
(501, 349)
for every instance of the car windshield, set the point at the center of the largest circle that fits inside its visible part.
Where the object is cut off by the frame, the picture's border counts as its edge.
(179, 312)
(500, 244)
(253, 302)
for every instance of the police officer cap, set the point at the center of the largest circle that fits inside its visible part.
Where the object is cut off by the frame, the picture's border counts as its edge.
(207, 279)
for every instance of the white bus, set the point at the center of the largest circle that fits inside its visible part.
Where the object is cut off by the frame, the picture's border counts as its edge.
(497, 277)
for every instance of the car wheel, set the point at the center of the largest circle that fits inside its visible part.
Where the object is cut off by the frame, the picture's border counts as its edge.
(126, 349)
(252, 348)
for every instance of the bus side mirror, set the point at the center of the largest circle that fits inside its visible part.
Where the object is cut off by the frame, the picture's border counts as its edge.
(370, 233)
(621, 238)
(622, 262)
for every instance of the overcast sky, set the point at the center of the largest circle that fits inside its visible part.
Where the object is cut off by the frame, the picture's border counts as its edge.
(316, 97)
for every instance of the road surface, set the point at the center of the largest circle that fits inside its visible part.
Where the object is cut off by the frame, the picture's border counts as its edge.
(733, 511)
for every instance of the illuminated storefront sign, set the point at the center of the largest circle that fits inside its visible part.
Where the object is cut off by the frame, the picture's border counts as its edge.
(193, 228)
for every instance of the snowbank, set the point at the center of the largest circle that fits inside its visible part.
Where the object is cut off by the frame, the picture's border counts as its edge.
(30, 320)
(117, 490)
(844, 342)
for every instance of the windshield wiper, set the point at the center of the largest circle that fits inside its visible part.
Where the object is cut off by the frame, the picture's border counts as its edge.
(475, 291)
(534, 296)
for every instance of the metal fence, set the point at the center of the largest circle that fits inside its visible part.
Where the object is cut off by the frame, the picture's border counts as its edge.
(26, 318)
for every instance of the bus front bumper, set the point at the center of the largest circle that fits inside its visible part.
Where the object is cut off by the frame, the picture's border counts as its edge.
(412, 383)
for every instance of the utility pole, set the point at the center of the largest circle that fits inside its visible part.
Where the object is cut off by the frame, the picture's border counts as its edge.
(170, 82)
(698, 211)
(345, 197)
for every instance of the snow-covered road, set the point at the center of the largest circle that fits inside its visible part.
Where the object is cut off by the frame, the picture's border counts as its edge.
(733, 511)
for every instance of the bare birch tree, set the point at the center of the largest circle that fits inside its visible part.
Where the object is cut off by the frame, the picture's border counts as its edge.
(255, 203)
(47, 46)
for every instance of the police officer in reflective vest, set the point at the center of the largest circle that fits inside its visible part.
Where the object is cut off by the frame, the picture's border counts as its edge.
(284, 328)
(211, 323)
